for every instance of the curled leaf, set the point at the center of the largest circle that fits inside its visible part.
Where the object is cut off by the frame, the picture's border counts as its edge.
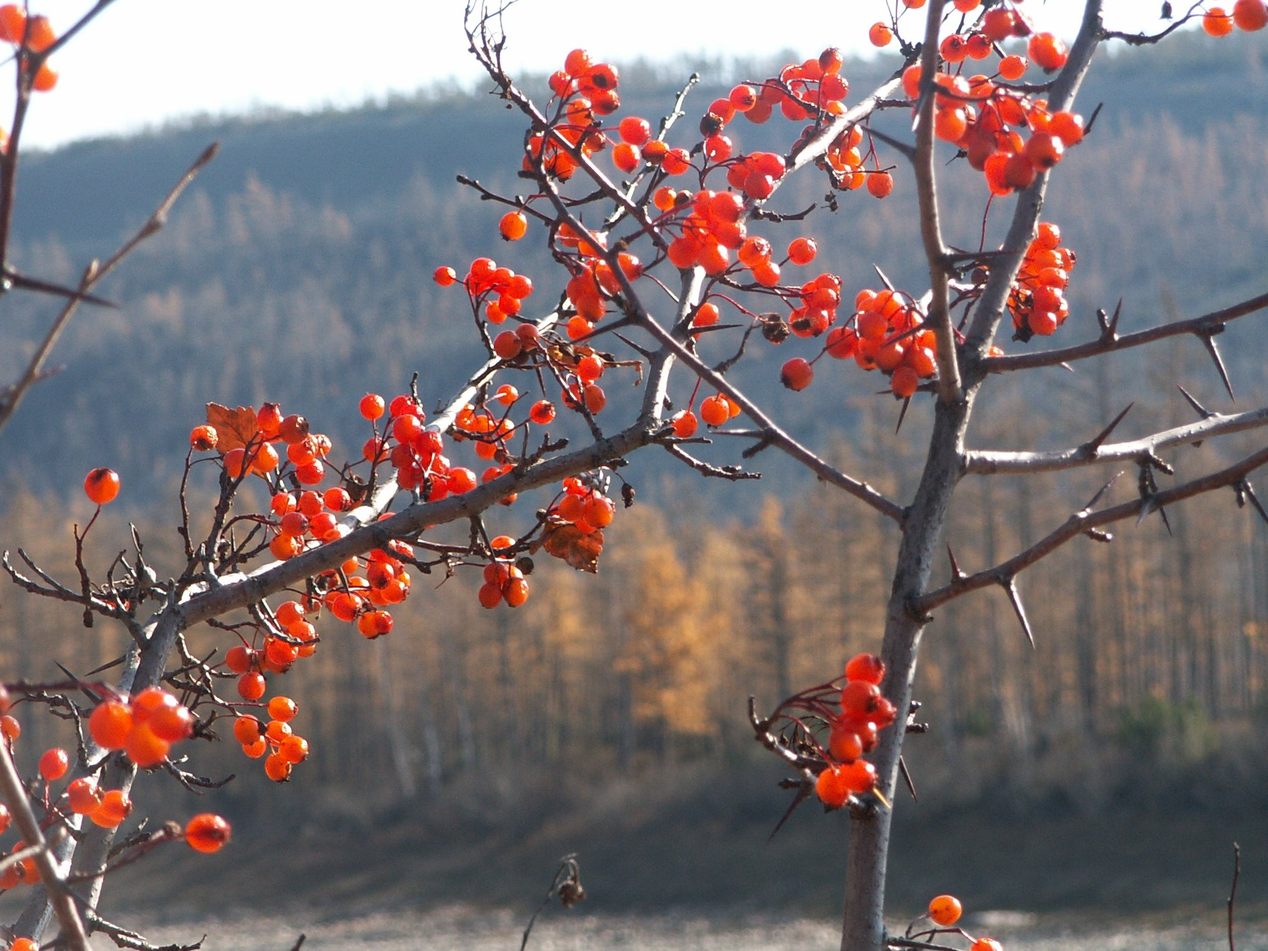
(236, 427)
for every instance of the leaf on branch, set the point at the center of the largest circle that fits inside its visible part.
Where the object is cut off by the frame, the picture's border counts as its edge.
(565, 541)
(236, 427)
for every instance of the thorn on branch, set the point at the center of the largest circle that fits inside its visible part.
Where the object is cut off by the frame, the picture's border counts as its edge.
(1098, 440)
(956, 573)
(1208, 341)
(1014, 598)
(1198, 408)
(1246, 493)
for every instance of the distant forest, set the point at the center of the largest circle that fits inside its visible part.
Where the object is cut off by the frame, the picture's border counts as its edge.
(298, 270)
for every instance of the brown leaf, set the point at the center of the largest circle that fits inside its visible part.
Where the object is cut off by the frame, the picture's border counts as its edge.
(564, 540)
(236, 427)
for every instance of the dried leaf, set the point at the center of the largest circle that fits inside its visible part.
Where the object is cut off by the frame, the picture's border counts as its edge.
(581, 550)
(235, 427)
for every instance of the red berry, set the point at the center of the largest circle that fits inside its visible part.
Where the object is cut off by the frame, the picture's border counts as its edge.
(101, 485)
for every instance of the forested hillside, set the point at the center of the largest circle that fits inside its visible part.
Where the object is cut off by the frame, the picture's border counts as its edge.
(298, 269)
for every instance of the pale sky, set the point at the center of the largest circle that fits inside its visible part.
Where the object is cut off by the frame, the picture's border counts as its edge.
(146, 61)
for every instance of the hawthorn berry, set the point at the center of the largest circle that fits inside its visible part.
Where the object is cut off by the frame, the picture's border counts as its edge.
(101, 485)
(53, 764)
(797, 374)
(945, 910)
(207, 832)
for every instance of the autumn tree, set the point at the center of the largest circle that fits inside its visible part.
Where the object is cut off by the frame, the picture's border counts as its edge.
(674, 267)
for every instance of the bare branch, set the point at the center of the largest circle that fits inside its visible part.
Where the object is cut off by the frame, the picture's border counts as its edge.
(1080, 522)
(987, 462)
(1109, 342)
(948, 383)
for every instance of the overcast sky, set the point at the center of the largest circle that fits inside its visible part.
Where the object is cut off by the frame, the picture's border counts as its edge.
(143, 62)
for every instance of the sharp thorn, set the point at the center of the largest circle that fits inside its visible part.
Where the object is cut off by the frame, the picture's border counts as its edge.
(1102, 490)
(902, 414)
(1197, 407)
(1100, 438)
(802, 795)
(1010, 586)
(1208, 341)
(633, 346)
(881, 274)
(1102, 319)
(956, 573)
(1118, 310)
(13, 279)
(907, 780)
(1165, 521)
(1146, 509)
(1249, 491)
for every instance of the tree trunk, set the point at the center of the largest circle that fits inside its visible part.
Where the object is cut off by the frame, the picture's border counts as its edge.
(863, 928)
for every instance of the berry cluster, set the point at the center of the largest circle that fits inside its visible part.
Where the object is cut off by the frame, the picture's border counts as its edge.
(499, 289)
(853, 732)
(1037, 299)
(143, 727)
(1247, 15)
(887, 333)
(285, 748)
(31, 34)
(582, 91)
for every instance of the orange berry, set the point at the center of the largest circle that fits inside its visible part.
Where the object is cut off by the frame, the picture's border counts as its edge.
(1012, 67)
(283, 709)
(684, 423)
(866, 667)
(101, 485)
(24, 944)
(45, 79)
(797, 374)
(880, 35)
(110, 723)
(715, 410)
(53, 764)
(172, 723)
(1047, 51)
(277, 767)
(1250, 14)
(251, 686)
(12, 22)
(203, 437)
(10, 728)
(831, 789)
(294, 749)
(83, 796)
(115, 807)
(945, 910)
(145, 748)
(39, 34)
(513, 226)
(207, 832)
(986, 944)
(880, 184)
(246, 729)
